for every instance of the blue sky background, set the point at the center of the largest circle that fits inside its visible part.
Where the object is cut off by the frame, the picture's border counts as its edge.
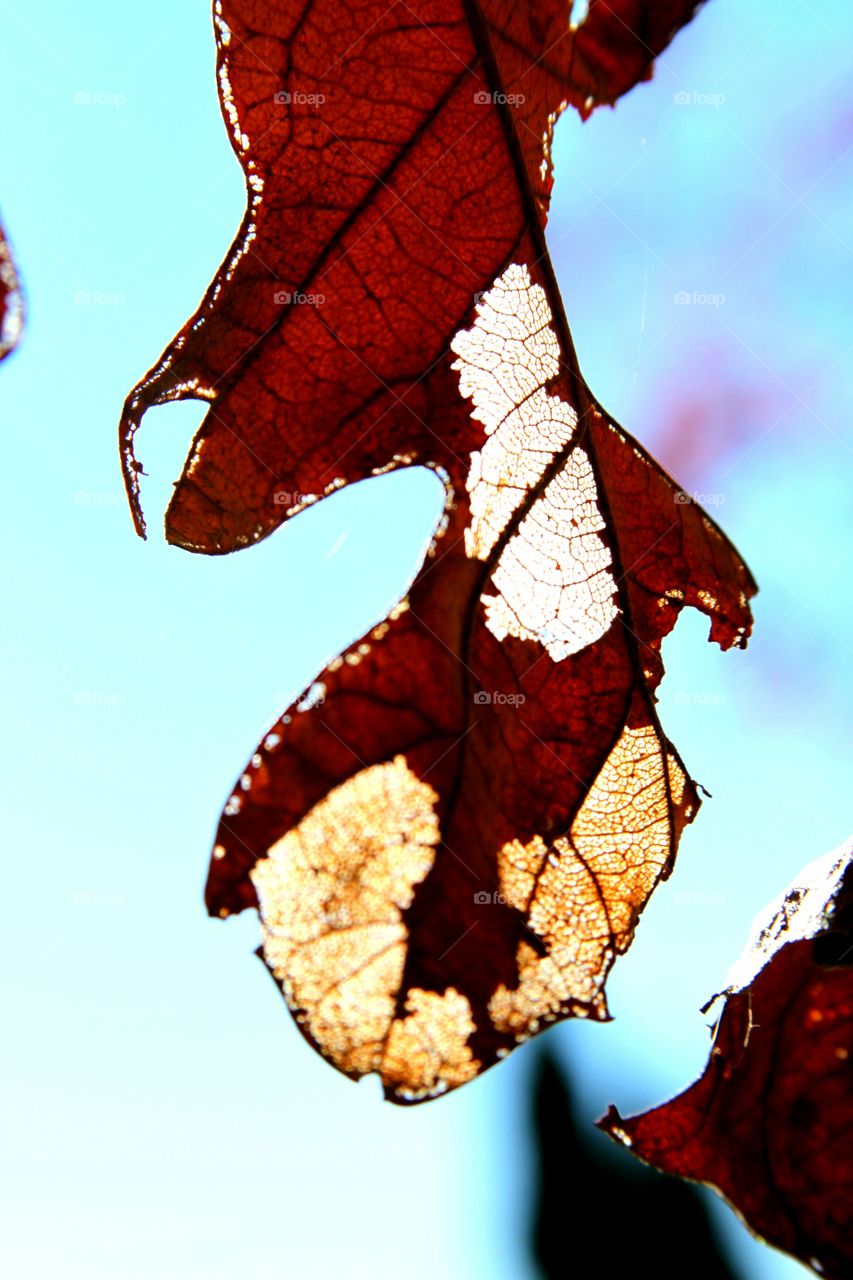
(160, 1113)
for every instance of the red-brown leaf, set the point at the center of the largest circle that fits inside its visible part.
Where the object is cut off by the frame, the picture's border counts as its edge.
(390, 302)
(619, 40)
(11, 300)
(769, 1124)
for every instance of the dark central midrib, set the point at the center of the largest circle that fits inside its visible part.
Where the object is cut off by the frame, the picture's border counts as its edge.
(581, 401)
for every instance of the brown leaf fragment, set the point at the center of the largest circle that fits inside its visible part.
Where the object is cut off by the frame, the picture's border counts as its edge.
(770, 1122)
(11, 300)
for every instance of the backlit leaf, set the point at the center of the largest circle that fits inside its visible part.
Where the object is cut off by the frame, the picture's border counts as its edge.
(453, 838)
(769, 1123)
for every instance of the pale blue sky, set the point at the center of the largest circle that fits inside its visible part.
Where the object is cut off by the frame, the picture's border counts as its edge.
(161, 1114)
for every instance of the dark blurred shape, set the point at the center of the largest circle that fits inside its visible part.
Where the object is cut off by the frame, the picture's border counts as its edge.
(592, 1195)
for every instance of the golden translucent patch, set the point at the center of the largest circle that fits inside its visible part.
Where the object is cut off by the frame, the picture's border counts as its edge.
(677, 781)
(622, 830)
(583, 896)
(567, 913)
(332, 893)
(552, 578)
(428, 1051)
(518, 866)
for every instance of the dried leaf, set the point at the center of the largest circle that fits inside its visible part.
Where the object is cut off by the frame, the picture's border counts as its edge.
(451, 840)
(768, 1124)
(11, 300)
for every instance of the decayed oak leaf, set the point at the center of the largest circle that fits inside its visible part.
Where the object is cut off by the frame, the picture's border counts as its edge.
(449, 847)
(11, 300)
(769, 1123)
